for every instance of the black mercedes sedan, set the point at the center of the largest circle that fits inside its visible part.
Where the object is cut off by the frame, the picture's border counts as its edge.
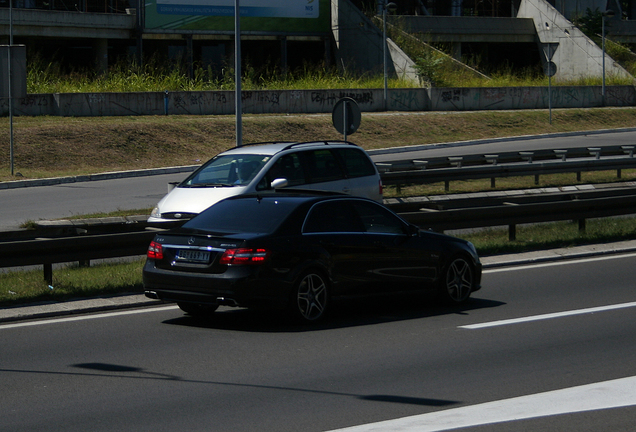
(300, 252)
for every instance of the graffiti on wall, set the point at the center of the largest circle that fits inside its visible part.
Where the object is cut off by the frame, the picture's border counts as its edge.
(317, 101)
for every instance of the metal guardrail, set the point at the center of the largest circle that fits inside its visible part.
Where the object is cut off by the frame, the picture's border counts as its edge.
(73, 244)
(82, 249)
(440, 216)
(510, 164)
(510, 213)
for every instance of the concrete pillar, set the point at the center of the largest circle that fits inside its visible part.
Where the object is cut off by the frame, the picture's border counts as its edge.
(101, 55)
(456, 48)
(283, 56)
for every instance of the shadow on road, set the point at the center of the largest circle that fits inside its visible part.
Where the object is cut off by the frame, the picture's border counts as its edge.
(344, 313)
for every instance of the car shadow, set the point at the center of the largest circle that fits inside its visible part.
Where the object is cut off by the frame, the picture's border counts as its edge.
(343, 313)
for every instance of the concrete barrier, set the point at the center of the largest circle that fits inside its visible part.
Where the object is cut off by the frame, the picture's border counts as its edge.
(315, 101)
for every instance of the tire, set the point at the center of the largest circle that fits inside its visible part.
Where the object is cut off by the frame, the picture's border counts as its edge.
(457, 281)
(198, 310)
(310, 297)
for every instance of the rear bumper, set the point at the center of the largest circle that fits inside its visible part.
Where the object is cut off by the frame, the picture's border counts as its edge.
(237, 287)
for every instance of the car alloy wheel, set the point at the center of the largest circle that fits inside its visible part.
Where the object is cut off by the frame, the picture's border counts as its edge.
(310, 297)
(458, 281)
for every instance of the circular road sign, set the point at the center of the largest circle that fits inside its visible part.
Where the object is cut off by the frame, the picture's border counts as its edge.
(550, 69)
(346, 116)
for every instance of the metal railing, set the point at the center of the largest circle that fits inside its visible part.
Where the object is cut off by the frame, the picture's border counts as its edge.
(440, 216)
(509, 164)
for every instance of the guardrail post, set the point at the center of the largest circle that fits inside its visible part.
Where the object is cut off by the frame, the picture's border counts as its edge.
(512, 232)
(628, 150)
(421, 164)
(562, 154)
(527, 156)
(457, 161)
(48, 273)
(595, 151)
(581, 225)
(492, 159)
(383, 166)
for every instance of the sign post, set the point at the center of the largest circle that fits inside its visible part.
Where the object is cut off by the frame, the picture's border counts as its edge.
(550, 70)
(13, 61)
(346, 116)
(237, 69)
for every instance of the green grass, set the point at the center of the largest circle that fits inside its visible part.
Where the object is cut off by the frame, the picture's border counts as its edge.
(72, 281)
(552, 235)
(434, 68)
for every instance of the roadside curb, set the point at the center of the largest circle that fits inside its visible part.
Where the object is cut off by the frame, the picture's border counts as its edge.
(137, 300)
(16, 184)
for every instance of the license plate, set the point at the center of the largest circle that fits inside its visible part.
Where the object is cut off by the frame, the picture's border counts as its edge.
(193, 255)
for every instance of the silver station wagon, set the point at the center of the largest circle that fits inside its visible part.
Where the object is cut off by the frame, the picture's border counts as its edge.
(335, 166)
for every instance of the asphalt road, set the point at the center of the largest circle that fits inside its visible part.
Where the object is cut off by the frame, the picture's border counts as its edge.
(527, 345)
(60, 201)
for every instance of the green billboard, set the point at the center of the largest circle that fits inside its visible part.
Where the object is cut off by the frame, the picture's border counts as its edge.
(261, 16)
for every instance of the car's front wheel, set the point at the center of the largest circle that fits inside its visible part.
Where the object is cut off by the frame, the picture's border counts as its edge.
(310, 297)
(457, 281)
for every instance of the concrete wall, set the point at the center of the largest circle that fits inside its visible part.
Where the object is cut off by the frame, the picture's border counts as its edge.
(576, 56)
(359, 44)
(505, 98)
(315, 101)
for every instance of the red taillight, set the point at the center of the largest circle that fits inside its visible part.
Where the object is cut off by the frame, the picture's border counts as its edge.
(244, 256)
(155, 251)
(381, 188)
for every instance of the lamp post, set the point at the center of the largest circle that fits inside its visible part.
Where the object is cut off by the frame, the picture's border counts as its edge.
(237, 70)
(391, 7)
(608, 13)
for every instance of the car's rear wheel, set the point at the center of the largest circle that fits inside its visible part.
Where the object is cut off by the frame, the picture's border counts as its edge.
(310, 297)
(457, 282)
(197, 310)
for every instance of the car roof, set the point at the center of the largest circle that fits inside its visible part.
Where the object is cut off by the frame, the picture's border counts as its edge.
(298, 195)
(272, 148)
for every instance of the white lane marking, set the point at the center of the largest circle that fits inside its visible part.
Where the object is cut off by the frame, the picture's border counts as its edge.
(598, 396)
(87, 317)
(548, 316)
(514, 267)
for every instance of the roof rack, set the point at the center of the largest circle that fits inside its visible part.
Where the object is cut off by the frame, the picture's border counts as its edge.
(292, 145)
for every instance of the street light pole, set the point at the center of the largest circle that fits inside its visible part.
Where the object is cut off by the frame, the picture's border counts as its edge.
(608, 13)
(386, 6)
(10, 90)
(386, 82)
(237, 70)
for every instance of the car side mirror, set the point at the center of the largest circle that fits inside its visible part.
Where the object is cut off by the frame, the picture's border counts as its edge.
(413, 230)
(279, 183)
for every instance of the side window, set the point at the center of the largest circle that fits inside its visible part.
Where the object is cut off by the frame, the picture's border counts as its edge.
(333, 217)
(356, 162)
(322, 166)
(377, 219)
(287, 166)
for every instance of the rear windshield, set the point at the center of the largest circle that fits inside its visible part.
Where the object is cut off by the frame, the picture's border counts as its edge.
(244, 215)
(227, 170)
